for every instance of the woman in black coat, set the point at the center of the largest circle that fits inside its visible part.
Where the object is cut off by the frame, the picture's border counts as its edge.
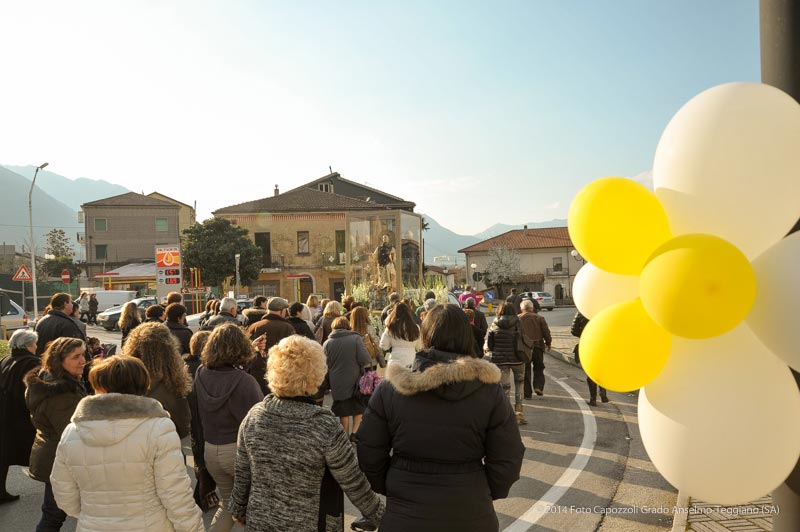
(440, 440)
(16, 437)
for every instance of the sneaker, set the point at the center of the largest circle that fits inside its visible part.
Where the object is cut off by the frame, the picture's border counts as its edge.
(521, 419)
(363, 524)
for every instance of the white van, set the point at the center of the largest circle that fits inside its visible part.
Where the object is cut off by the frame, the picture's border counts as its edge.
(110, 298)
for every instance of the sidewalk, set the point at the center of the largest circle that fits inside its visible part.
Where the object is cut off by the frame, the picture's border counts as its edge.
(690, 515)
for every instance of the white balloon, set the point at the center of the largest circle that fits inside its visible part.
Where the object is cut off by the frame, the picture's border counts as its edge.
(727, 165)
(774, 314)
(595, 289)
(721, 421)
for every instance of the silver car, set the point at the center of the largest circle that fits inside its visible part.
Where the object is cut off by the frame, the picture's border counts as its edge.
(545, 299)
(15, 318)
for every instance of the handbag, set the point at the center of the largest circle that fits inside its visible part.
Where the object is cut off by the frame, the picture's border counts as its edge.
(368, 382)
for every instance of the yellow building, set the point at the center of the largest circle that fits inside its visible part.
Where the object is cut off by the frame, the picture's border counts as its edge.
(319, 238)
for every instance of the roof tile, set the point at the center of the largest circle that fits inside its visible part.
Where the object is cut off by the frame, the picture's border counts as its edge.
(300, 200)
(538, 238)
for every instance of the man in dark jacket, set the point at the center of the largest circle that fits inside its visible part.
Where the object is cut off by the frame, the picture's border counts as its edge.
(255, 313)
(300, 325)
(275, 327)
(394, 299)
(480, 317)
(176, 314)
(228, 309)
(57, 323)
(535, 339)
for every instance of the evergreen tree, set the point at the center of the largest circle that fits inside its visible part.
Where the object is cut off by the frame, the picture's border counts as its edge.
(212, 246)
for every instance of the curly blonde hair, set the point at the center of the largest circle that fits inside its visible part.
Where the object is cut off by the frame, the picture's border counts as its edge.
(227, 345)
(160, 350)
(296, 367)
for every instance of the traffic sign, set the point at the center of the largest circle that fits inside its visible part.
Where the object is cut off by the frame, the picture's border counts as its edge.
(22, 274)
(65, 276)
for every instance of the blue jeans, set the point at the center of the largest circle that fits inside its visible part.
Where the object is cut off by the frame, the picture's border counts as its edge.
(52, 516)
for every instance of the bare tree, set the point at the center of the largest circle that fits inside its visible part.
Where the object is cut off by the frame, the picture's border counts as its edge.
(503, 267)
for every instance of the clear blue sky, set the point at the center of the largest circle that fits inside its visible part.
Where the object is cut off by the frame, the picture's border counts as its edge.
(480, 112)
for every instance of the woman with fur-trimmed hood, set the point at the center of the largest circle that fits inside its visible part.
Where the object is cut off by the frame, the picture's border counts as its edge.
(441, 440)
(119, 464)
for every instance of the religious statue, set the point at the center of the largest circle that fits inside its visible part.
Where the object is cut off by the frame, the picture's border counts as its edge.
(385, 255)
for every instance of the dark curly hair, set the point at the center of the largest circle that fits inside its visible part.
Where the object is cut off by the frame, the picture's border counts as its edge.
(227, 345)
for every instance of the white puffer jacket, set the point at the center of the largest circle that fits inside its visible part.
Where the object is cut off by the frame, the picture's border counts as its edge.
(119, 467)
(403, 351)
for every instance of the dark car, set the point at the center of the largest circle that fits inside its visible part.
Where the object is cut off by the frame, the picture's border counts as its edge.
(108, 318)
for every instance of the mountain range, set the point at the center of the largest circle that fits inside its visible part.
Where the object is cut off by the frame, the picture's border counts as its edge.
(57, 200)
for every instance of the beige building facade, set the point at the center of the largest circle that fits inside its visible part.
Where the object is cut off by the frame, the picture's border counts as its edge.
(545, 257)
(126, 228)
(187, 216)
(314, 238)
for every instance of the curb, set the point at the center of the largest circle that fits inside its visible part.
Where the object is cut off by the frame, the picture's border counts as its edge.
(569, 358)
(681, 514)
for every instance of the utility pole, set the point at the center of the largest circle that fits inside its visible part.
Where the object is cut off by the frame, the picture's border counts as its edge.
(780, 67)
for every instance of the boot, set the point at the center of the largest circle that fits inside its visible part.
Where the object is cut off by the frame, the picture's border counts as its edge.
(592, 401)
(603, 396)
(520, 417)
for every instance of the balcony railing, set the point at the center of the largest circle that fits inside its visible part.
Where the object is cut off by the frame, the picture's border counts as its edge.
(559, 272)
(274, 266)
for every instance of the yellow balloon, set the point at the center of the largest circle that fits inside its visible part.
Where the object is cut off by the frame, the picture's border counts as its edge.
(622, 349)
(616, 224)
(698, 286)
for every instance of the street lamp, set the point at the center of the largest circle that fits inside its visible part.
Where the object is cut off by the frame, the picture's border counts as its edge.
(33, 246)
(577, 256)
(237, 257)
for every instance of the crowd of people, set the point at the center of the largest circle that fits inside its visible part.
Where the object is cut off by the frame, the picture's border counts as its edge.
(439, 438)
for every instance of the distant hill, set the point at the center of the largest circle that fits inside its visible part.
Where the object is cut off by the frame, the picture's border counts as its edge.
(499, 229)
(48, 213)
(440, 242)
(71, 192)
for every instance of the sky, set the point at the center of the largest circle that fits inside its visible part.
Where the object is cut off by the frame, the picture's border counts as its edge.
(479, 112)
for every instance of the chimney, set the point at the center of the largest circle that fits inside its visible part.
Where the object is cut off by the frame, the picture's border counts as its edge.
(525, 230)
(276, 190)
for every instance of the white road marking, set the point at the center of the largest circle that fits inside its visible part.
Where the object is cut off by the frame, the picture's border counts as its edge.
(565, 481)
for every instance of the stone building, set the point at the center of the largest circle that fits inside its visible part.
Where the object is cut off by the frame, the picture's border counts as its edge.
(545, 257)
(319, 238)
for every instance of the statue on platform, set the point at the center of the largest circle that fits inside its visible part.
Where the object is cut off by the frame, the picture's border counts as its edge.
(385, 255)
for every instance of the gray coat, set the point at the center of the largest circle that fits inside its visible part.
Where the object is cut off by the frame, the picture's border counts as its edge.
(284, 449)
(346, 355)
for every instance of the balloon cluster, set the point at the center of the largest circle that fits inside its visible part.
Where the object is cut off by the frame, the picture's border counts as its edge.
(694, 296)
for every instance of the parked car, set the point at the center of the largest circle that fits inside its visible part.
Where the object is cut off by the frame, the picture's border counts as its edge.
(545, 299)
(108, 318)
(15, 318)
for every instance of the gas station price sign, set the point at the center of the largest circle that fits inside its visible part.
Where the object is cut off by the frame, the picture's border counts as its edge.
(168, 269)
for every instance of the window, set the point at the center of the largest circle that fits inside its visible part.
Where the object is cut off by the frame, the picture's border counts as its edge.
(557, 265)
(162, 225)
(302, 243)
(340, 251)
(101, 252)
(325, 187)
(100, 224)
(262, 241)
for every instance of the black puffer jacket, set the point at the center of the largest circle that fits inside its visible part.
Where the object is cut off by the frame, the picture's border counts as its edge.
(502, 341)
(51, 403)
(441, 441)
(53, 326)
